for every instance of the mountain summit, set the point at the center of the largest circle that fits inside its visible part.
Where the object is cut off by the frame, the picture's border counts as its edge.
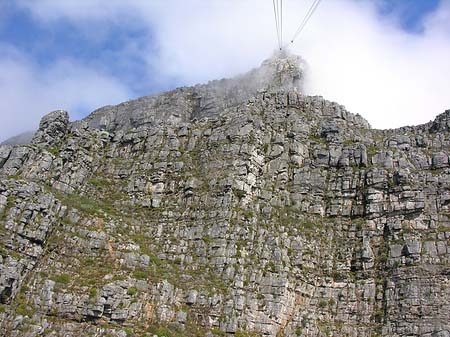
(281, 72)
(241, 207)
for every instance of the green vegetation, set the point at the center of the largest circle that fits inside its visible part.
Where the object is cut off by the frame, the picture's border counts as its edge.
(161, 331)
(129, 332)
(15, 176)
(25, 310)
(349, 142)
(243, 333)
(206, 239)
(62, 278)
(271, 266)
(132, 291)
(22, 306)
(239, 193)
(372, 150)
(307, 224)
(322, 303)
(97, 204)
(93, 293)
(98, 182)
(54, 151)
(92, 271)
(359, 223)
(174, 330)
(9, 203)
(378, 315)
(316, 138)
(141, 274)
(217, 332)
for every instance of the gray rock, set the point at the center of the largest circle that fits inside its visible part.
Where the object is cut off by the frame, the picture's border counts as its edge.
(240, 205)
(52, 128)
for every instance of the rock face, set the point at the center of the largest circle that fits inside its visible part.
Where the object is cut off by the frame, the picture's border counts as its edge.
(236, 208)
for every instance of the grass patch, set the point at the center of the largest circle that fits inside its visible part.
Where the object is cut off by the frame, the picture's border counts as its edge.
(132, 291)
(62, 279)
(93, 293)
(87, 205)
(243, 333)
(239, 193)
(54, 150)
(98, 182)
(141, 274)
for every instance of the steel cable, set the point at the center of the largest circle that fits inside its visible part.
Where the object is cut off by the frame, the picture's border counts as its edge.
(307, 17)
(275, 11)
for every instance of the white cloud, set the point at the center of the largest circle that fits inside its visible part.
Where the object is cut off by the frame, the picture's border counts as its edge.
(28, 91)
(356, 57)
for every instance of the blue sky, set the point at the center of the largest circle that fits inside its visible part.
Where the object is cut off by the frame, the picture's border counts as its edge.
(46, 43)
(80, 55)
(411, 12)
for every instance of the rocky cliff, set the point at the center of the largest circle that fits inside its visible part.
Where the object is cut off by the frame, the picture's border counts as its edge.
(236, 208)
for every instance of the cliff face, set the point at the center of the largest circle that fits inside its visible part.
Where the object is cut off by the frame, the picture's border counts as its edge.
(240, 207)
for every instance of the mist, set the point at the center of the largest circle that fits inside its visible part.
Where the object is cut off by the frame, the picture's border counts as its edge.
(356, 57)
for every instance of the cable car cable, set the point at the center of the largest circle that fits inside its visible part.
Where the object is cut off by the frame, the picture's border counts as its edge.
(307, 17)
(275, 5)
(281, 24)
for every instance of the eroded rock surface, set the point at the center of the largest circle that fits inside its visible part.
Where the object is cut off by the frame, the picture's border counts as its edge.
(236, 208)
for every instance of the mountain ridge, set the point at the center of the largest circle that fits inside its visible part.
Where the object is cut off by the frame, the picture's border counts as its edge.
(274, 214)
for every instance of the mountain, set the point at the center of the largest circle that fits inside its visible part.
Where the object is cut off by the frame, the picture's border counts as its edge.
(236, 208)
(20, 139)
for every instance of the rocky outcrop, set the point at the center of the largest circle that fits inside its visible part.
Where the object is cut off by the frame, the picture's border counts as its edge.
(264, 213)
(52, 129)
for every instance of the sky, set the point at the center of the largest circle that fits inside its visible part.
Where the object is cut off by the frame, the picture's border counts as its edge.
(388, 60)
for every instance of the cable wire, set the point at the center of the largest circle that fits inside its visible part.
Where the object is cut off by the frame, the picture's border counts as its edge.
(307, 17)
(280, 21)
(275, 6)
(281, 24)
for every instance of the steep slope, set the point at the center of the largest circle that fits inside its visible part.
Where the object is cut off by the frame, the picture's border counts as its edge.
(240, 207)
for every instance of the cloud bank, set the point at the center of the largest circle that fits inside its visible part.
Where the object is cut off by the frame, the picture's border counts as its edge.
(356, 56)
(27, 91)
